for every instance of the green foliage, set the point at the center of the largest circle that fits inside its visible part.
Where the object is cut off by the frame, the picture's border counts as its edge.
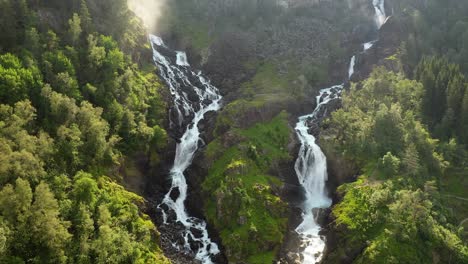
(398, 225)
(381, 117)
(436, 28)
(390, 164)
(385, 215)
(74, 30)
(241, 201)
(444, 90)
(388, 129)
(70, 111)
(17, 82)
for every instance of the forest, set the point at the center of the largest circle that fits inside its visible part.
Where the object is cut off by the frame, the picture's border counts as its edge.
(406, 131)
(77, 98)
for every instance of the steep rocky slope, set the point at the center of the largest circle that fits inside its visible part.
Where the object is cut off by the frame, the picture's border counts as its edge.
(268, 65)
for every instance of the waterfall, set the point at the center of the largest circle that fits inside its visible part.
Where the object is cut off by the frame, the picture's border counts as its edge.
(380, 17)
(351, 66)
(311, 164)
(368, 45)
(311, 170)
(181, 59)
(193, 97)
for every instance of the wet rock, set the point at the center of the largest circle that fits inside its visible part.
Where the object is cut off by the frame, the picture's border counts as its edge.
(321, 215)
(391, 34)
(196, 232)
(293, 193)
(194, 245)
(207, 126)
(175, 193)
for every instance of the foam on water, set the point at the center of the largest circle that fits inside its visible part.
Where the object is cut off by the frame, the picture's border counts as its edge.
(177, 75)
(311, 164)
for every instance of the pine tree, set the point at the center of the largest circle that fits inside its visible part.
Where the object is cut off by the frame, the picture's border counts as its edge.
(86, 20)
(455, 92)
(410, 160)
(49, 232)
(74, 30)
(7, 26)
(463, 124)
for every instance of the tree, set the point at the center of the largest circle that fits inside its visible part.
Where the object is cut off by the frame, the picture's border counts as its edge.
(86, 20)
(55, 63)
(15, 210)
(74, 30)
(32, 41)
(4, 232)
(444, 88)
(463, 125)
(390, 164)
(96, 54)
(66, 84)
(15, 202)
(51, 40)
(85, 189)
(68, 143)
(84, 234)
(7, 26)
(16, 81)
(94, 131)
(410, 160)
(48, 231)
(455, 92)
(388, 130)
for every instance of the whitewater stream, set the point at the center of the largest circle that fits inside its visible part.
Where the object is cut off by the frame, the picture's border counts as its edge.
(311, 164)
(193, 97)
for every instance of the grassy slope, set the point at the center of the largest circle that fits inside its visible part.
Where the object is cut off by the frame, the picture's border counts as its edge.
(241, 199)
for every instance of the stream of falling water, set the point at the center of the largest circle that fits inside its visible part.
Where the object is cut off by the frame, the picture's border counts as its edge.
(311, 164)
(193, 97)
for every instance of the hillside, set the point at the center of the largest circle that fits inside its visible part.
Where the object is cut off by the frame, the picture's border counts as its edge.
(234, 131)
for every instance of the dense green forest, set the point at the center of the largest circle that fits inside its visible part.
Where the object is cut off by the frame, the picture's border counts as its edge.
(406, 132)
(76, 101)
(397, 211)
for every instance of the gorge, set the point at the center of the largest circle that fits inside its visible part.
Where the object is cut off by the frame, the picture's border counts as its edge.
(234, 131)
(188, 111)
(311, 164)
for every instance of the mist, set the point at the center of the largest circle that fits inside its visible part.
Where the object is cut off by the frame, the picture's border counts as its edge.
(150, 11)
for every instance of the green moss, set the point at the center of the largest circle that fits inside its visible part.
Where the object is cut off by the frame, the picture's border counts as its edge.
(234, 114)
(262, 258)
(269, 80)
(240, 200)
(192, 31)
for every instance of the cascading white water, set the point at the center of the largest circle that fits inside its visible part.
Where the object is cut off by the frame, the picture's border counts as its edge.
(181, 59)
(178, 76)
(351, 66)
(368, 45)
(311, 164)
(311, 170)
(380, 16)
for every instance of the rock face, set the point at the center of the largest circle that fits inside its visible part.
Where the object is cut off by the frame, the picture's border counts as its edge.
(301, 40)
(391, 34)
(340, 170)
(309, 38)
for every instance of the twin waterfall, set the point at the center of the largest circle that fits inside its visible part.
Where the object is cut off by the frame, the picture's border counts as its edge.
(193, 97)
(311, 164)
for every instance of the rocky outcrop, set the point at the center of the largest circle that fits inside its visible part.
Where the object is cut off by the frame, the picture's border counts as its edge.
(340, 170)
(392, 33)
(226, 62)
